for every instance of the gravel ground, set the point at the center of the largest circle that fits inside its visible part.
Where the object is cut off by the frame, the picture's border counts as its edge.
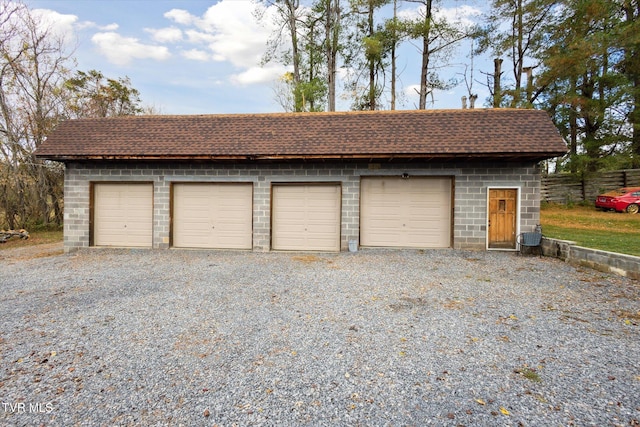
(119, 337)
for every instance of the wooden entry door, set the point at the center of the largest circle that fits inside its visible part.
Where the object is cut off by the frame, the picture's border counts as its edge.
(502, 218)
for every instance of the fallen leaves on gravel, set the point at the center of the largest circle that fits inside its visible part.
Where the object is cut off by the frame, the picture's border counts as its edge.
(306, 258)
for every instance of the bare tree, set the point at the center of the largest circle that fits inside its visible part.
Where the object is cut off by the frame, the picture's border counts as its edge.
(33, 66)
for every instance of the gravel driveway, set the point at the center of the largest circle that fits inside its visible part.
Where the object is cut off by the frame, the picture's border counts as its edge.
(120, 337)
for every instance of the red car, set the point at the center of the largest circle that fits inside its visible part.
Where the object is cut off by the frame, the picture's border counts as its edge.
(622, 200)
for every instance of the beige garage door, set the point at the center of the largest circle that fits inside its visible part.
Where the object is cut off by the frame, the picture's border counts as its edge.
(123, 215)
(306, 217)
(413, 213)
(213, 216)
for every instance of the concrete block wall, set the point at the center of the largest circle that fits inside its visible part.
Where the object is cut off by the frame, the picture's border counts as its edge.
(471, 183)
(621, 264)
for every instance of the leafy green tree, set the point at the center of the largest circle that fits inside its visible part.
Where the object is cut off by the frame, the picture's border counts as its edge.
(583, 87)
(628, 33)
(308, 40)
(374, 43)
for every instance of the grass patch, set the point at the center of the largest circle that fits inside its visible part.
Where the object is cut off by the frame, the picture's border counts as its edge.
(529, 373)
(37, 237)
(591, 228)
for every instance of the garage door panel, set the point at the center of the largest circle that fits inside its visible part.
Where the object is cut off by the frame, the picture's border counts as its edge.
(213, 215)
(306, 217)
(123, 215)
(413, 212)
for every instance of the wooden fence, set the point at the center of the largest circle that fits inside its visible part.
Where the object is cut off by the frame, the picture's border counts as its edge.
(565, 188)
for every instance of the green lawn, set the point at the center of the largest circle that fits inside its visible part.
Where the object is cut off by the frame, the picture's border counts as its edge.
(588, 227)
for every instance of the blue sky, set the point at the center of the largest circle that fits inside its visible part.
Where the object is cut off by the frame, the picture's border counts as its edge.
(203, 57)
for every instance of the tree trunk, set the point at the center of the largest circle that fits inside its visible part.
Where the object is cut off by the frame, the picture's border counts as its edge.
(393, 56)
(518, 53)
(497, 85)
(332, 32)
(634, 118)
(424, 71)
(573, 128)
(292, 7)
(372, 65)
(632, 59)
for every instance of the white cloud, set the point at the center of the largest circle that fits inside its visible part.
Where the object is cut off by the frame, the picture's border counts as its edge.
(60, 24)
(90, 24)
(165, 35)
(196, 55)
(462, 15)
(229, 32)
(180, 16)
(412, 90)
(198, 37)
(257, 75)
(110, 27)
(122, 50)
(238, 37)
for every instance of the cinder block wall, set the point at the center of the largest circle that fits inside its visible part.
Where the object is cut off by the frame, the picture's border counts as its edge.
(471, 183)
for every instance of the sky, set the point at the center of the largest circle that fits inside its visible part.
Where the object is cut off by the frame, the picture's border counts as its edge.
(204, 56)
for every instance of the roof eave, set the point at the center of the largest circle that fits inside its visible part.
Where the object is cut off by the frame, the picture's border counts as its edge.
(271, 157)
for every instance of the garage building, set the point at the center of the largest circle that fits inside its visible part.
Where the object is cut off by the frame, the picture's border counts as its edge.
(464, 179)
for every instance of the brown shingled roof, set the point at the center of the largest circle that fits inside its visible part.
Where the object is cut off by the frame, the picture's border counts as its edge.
(491, 133)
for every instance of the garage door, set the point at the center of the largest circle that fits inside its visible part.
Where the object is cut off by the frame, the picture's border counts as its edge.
(123, 215)
(213, 216)
(306, 217)
(413, 212)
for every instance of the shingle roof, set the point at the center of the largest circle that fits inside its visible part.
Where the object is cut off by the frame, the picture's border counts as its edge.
(489, 133)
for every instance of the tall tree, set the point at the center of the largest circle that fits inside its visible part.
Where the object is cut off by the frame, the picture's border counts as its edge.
(516, 30)
(437, 37)
(583, 86)
(311, 47)
(297, 42)
(330, 12)
(628, 33)
(374, 44)
(393, 30)
(288, 16)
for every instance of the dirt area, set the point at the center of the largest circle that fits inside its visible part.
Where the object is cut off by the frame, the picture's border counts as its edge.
(31, 252)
